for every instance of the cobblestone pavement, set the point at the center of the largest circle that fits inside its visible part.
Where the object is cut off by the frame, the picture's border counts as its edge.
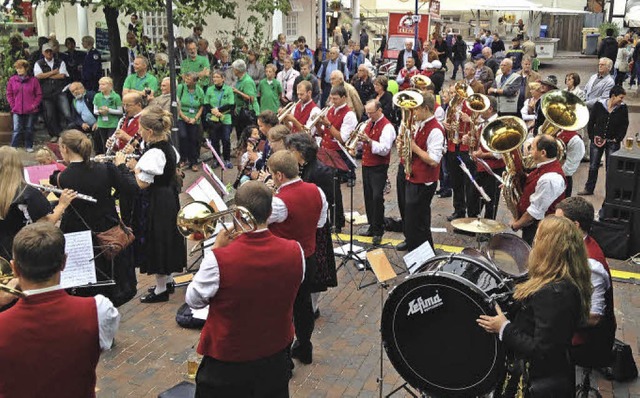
(151, 349)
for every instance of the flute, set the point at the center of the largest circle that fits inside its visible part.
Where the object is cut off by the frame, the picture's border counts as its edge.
(102, 158)
(48, 188)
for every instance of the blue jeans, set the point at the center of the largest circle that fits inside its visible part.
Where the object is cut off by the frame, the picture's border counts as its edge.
(23, 124)
(595, 155)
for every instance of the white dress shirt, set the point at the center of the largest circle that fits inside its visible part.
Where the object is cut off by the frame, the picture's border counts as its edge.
(601, 283)
(62, 69)
(108, 316)
(574, 153)
(279, 211)
(206, 282)
(549, 187)
(349, 123)
(440, 114)
(388, 134)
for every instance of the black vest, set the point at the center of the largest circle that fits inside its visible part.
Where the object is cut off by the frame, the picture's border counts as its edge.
(51, 87)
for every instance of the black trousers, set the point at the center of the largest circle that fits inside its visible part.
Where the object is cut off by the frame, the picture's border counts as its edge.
(337, 214)
(492, 187)
(264, 378)
(400, 189)
(529, 232)
(417, 224)
(568, 190)
(374, 179)
(461, 184)
(303, 318)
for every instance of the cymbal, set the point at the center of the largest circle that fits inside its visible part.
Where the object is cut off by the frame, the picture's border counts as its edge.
(478, 225)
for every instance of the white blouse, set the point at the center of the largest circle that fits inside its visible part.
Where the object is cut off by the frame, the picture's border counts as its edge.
(152, 164)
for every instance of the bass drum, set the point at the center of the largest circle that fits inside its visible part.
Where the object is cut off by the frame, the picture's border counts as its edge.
(510, 254)
(429, 327)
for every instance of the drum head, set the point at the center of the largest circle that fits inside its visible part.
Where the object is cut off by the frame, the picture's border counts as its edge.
(432, 339)
(477, 255)
(509, 253)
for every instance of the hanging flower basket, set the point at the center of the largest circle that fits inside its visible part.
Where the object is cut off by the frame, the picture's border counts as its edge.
(335, 5)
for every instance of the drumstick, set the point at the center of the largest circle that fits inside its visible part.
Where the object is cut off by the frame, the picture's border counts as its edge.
(478, 187)
(489, 170)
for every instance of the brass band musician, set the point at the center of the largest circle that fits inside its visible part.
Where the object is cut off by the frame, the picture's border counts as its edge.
(305, 111)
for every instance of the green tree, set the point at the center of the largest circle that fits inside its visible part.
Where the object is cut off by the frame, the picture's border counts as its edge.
(186, 13)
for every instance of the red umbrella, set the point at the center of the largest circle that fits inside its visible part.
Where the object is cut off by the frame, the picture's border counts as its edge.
(332, 159)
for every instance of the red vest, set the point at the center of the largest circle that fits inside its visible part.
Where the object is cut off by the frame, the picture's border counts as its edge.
(302, 115)
(530, 187)
(49, 347)
(251, 315)
(463, 128)
(304, 206)
(491, 161)
(336, 119)
(131, 127)
(421, 172)
(407, 77)
(566, 136)
(368, 158)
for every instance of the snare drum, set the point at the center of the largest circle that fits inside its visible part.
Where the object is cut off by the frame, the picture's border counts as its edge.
(510, 254)
(430, 332)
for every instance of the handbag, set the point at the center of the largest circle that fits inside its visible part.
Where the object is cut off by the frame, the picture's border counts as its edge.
(112, 241)
(247, 116)
(623, 367)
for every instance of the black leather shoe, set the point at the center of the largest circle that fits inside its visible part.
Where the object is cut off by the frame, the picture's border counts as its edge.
(445, 194)
(304, 353)
(365, 232)
(155, 298)
(171, 288)
(316, 314)
(402, 246)
(455, 216)
(376, 240)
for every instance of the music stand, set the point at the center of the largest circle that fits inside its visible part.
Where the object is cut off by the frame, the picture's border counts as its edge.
(216, 157)
(332, 159)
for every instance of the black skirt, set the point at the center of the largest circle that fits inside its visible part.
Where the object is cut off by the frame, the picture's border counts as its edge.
(325, 275)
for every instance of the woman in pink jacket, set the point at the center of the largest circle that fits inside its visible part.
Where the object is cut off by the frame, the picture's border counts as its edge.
(24, 95)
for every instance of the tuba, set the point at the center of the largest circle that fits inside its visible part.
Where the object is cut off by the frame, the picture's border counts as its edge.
(287, 109)
(198, 221)
(6, 274)
(407, 101)
(478, 103)
(462, 91)
(352, 143)
(420, 82)
(505, 135)
(562, 111)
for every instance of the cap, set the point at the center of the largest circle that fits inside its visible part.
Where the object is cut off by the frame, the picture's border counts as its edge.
(480, 56)
(436, 64)
(47, 46)
(551, 81)
(428, 65)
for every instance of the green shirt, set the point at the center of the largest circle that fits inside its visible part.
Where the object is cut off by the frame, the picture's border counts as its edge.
(135, 82)
(197, 65)
(270, 93)
(247, 86)
(217, 99)
(113, 101)
(190, 103)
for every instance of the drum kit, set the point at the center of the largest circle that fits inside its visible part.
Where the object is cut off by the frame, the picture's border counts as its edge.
(428, 322)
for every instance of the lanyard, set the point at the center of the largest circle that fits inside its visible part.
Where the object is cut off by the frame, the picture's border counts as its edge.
(220, 95)
(140, 81)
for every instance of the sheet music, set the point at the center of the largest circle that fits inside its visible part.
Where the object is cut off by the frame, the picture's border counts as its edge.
(222, 189)
(81, 268)
(203, 191)
(35, 174)
(346, 152)
(215, 155)
(415, 258)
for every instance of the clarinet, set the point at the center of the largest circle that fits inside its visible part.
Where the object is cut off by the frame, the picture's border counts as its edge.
(114, 144)
(48, 188)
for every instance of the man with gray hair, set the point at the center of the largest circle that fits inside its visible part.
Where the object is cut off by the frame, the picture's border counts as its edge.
(599, 85)
(164, 99)
(506, 88)
(331, 64)
(140, 82)
(245, 97)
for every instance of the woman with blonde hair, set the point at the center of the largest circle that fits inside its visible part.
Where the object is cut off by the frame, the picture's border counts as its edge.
(97, 180)
(554, 301)
(20, 203)
(162, 249)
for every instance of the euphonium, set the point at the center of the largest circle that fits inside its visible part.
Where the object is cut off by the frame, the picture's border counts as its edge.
(420, 82)
(198, 221)
(478, 103)
(5, 276)
(287, 109)
(461, 92)
(407, 101)
(352, 143)
(505, 135)
(563, 111)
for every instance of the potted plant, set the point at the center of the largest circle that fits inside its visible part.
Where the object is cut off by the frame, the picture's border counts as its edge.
(6, 71)
(335, 5)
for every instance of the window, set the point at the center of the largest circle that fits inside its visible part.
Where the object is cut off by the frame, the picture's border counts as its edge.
(155, 25)
(291, 24)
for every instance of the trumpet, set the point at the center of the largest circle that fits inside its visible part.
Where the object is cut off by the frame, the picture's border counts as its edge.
(354, 137)
(478, 103)
(48, 188)
(407, 101)
(198, 221)
(287, 109)
(110, 158)
(5, 276)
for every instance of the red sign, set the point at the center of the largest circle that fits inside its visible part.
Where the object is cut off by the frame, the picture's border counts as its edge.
(402, 27)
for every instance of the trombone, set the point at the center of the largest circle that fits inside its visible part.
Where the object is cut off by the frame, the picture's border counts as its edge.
(5, 276)
(198, 221)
